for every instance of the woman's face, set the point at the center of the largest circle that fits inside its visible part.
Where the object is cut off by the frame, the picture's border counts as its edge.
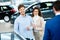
(35, 12)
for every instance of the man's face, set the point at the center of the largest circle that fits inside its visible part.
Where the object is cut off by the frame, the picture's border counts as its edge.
(22, 11)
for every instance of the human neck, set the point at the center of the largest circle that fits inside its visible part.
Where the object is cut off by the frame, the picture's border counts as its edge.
(35, 15)
(23, 14)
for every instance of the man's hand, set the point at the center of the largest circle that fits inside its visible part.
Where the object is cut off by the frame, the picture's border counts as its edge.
(28, 28)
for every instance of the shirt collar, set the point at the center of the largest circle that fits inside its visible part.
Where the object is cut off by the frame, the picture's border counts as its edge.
(23, 16)
(57, 14)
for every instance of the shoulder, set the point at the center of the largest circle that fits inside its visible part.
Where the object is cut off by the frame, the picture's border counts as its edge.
(41, 18)
(50, 23)
(17, 18)
(52, 20)
(29, 16)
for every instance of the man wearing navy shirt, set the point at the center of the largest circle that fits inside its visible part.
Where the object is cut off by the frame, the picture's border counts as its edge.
(52, 27)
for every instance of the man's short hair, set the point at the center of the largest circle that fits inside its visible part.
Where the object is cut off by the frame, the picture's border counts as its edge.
(21, 5)
(56, 5)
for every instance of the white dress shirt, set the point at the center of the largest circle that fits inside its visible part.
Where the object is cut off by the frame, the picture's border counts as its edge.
(38, 21)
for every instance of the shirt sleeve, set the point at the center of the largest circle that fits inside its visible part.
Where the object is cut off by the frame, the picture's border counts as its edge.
(31, 20)
(16, 27)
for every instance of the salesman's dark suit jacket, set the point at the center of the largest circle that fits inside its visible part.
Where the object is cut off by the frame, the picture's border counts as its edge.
(52, 29)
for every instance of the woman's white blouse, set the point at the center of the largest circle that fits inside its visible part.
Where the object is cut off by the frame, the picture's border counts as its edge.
(38, 21)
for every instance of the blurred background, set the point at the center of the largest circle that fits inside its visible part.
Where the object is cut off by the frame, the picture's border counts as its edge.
(9, 12)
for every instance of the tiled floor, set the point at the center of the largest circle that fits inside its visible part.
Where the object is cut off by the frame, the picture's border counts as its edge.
(5, 27)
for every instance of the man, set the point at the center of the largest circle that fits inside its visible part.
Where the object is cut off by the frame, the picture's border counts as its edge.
(52, 28)
(23, 24)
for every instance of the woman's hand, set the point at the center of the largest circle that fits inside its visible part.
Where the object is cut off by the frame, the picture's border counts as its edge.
(34, 26)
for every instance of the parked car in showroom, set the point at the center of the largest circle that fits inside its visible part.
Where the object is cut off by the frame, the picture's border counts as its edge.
(6, 11)
(45, 7)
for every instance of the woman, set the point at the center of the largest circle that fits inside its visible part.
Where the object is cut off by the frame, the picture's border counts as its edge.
(38, 23)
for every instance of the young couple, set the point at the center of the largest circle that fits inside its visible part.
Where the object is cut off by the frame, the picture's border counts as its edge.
(29, 27)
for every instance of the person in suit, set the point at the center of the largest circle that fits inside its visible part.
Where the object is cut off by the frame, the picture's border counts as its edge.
(52, 27)
(38, 22)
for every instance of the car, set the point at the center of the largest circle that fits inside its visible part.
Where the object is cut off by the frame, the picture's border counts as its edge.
(45, 7)
(6, 11)
(13, 17)
(46, 10)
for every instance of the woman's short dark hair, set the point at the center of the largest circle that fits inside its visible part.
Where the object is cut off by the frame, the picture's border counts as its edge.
(56, 5)
(39, 11)
(21, 5)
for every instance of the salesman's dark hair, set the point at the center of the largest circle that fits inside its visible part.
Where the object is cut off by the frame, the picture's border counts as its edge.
(56, 5)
